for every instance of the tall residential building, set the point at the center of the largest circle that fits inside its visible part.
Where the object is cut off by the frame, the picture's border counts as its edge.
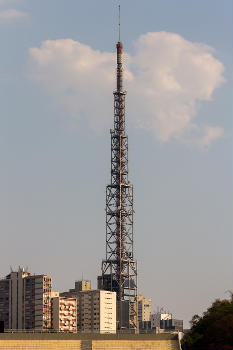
(96, 311)
(64, 314)
(4, 302)
(25, 301)
(144, 308)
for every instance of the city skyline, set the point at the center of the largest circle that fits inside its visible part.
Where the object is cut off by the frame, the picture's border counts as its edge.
(55, 142)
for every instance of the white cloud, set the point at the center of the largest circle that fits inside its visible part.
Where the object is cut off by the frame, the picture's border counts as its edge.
(202, 136)
(167, 77)
(211, 134)
(12, 14)
(77, 77)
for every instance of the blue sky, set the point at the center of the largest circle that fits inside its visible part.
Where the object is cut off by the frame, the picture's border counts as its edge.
(55, 142)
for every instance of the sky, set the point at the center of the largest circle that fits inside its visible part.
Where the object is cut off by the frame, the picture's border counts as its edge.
(57, 75)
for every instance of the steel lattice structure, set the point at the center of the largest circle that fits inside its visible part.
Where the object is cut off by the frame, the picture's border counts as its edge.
(119, 269)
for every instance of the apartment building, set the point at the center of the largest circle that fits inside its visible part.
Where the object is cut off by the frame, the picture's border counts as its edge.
(96, 311)
(5, 302)
(37, 308)
(144, 308)
(25, 301)
(64, 314)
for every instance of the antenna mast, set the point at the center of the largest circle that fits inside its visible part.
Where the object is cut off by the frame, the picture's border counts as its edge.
(119, 269)
(119, 23)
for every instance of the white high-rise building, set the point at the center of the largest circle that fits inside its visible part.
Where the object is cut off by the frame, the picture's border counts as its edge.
(96, 311)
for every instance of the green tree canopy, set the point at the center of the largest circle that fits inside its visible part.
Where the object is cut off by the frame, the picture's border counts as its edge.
(212, 331)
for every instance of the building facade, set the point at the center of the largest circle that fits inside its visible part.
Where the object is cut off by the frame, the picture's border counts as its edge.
(172, 324)
(25, 301)
(144, 308)
(64, 314)
(5, 302)
(96, 311)
(81, 286)
(159, 316)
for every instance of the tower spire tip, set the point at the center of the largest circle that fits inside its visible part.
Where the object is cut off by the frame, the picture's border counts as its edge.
(119, 23)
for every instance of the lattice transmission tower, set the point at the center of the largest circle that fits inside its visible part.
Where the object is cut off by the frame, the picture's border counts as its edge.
(119, 268)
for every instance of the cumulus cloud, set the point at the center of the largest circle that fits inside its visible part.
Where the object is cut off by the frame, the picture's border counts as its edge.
(211, 133)
(11, 14)
(167, 77)
(77, 77)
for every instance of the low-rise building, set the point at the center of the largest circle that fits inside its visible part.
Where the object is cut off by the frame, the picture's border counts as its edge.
(157, 317)
(172, 324)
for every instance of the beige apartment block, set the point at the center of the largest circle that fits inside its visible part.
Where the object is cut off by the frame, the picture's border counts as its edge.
(96, 311)
(64, 314)
(25, 301)
(144, 308)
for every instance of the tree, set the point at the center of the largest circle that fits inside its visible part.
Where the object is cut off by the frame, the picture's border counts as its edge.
(212, 331)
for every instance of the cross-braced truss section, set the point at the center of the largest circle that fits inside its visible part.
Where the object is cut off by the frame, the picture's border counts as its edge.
(119, 269)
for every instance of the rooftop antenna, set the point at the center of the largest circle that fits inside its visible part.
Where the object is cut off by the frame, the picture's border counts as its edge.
(119, 23)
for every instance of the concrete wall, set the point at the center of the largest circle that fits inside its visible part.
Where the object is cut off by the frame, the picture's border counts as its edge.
(88, 342)
(135, 345)
(88, 345)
